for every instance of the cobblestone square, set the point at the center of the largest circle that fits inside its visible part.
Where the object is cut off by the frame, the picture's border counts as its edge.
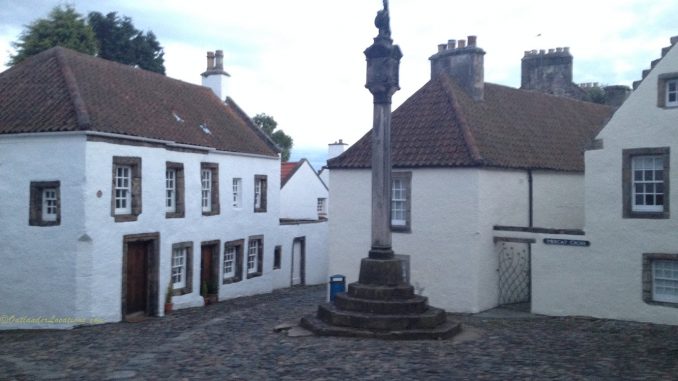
(234, 340)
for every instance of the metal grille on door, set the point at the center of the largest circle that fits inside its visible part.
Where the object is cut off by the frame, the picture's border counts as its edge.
(514, 272)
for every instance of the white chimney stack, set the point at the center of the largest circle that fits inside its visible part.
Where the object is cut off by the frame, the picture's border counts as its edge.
(215, 77)
(335, 149)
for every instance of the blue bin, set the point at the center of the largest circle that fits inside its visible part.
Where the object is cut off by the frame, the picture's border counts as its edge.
(337, 285)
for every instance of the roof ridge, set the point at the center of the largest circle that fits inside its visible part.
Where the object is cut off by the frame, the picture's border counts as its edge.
(82, 116)
(469, 139)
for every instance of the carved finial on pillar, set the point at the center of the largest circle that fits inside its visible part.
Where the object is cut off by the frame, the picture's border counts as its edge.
(382, 22)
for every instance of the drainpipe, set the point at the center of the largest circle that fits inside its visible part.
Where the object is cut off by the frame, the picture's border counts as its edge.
(529, 192)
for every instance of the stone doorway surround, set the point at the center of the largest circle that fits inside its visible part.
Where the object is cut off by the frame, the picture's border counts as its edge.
(152, 267)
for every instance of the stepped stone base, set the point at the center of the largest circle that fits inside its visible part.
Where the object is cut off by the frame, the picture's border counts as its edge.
(444, 331)
(380, 305)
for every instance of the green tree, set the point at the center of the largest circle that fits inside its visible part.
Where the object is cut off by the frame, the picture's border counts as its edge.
(268, 125)
(120, 41)
(63, 27)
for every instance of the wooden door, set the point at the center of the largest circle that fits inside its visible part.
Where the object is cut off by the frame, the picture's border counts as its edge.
(206, 266)
(137, 278)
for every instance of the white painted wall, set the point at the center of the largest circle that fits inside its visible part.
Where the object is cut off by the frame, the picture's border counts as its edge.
(443, 243)
(605, 280)
(315, 235)
(40, 265)
(105, 257)
(299, 196)
(558, 199)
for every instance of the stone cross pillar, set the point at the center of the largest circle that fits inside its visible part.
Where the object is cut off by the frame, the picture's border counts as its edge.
(383, 61)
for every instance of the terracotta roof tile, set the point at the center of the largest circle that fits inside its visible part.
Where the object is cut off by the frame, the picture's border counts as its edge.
(62, 90)
(441, 126)
(287, 170)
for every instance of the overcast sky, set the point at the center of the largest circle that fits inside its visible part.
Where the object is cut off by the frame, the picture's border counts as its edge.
(302, 61)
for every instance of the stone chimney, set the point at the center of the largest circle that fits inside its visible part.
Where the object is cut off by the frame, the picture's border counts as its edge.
(550, 72)
(335, 149)
(615, 95)
(463, 62)
(215, 77)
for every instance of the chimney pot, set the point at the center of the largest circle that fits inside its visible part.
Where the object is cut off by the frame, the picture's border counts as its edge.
(542, 51)
(219, 54)
(552, 51)
(559, 50)
(451, 44)
(441, 47)
(210, 60)
(472, 41)
(566, 49)
(462, 44)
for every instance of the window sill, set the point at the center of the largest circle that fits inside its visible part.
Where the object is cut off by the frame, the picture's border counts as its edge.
(400, 229)
(647, 215)
(181, 291)
(213, 213)
(44, 223)
(174, 215)
(259, 210)
(125, 217)
(234, 279)
(254, 275)
(663, 304)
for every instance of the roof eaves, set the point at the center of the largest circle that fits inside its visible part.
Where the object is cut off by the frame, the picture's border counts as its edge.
(292, 172)
(82, 116)
(248, 121)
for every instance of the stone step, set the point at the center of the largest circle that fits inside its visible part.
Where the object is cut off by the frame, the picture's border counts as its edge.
(430, 318)
(416, 305)
(446, 330)
(367, 291)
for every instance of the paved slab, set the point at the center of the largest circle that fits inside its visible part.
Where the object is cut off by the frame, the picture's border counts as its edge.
(234, 340)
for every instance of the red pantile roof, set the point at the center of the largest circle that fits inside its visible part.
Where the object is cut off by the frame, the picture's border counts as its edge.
(441, 126)
(62, 90)
(287, 170)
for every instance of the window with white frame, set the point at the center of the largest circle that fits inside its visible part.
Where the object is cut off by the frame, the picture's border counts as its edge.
(672, 93)
(400, 201)
(174, 190)
(126, 188)
(255, 253)
(206, 179)
(648, 183)
(49, 204)
(322, 207)
(209, 178)
(179, 261)
(260, 186)
(237, 192)
(45, 203)
(233, 261)
(665, 280)
(170, 190)
(123, 189)
(229, 261)
(645, 182)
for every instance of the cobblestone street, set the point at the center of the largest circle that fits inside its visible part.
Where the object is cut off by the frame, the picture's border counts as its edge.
(234, 340)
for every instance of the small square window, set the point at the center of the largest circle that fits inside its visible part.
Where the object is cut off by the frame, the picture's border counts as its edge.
(660, 279)
(45, 203)
(644, 185)
(322, 208)
(667, 90)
